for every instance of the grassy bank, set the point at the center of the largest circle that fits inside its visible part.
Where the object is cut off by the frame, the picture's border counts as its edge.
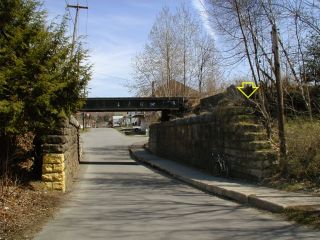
(303, 141)
(303, 155)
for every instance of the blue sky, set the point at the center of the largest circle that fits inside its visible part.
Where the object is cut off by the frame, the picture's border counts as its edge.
(116, 31)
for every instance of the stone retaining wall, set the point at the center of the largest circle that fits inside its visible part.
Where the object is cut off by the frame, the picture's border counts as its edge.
(232, 132)
(61, 156)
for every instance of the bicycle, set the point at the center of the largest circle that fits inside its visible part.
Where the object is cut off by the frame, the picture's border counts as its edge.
(221, 165)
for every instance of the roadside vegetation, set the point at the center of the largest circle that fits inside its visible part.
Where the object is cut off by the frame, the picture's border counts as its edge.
(304, 216)
(26, 209)
(303, 141)
(42, 78)
(304, 150)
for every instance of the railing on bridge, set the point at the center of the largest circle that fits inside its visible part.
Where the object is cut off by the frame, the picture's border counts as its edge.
(134, 104)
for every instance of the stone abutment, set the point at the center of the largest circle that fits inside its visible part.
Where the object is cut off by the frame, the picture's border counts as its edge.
(227, 130)
(61, 156)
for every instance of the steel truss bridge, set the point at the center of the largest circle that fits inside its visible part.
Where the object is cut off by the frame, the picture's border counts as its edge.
(128, 104)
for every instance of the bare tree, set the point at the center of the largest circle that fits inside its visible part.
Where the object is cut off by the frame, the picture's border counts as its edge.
(187, 28)
(178, 51)
(204, 60)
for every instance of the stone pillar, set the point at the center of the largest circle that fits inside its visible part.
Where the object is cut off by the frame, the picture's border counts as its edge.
(61, 156)
(53, 171)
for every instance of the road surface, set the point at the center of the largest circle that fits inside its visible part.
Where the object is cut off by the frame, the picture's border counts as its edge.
(116, 198)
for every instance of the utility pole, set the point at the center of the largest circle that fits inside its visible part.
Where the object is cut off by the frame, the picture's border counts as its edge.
(77, 7)
(277, 73)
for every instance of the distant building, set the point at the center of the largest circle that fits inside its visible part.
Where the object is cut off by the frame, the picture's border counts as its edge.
(175, 89)
(117, 121)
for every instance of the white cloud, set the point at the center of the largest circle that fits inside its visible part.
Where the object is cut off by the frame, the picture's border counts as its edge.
(199, 5)
(107, 87)
(111, 70)
(112, 61)
(116, 20)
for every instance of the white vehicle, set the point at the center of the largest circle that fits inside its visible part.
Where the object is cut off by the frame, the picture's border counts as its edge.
(137, 128)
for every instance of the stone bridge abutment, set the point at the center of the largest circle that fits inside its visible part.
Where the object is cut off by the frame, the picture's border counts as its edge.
(227, 130)
(61, 155)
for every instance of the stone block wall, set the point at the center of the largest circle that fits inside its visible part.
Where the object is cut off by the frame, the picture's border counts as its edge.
(61, 156)
(233, 132)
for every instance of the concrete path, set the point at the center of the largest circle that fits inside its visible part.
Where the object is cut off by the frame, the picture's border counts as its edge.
(115, 198)
(269, 199)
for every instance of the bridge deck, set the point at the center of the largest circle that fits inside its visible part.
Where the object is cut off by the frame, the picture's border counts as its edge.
(133, 104)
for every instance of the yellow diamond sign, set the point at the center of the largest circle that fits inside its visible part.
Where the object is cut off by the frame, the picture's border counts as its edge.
(248, 89)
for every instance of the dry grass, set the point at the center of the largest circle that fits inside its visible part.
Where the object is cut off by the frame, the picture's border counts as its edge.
(303, 146)
(304, 216)
(24, 204)
(303, 141)
(23, 210)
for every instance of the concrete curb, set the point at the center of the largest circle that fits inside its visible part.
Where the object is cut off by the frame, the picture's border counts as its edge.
(272, 200)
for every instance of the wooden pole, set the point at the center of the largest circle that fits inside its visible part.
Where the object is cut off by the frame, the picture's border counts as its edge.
(77, 7)
(280, 104)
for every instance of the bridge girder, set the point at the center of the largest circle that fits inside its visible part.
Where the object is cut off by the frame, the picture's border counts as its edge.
(134, 104)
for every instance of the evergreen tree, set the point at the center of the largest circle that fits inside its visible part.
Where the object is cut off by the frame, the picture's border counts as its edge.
(41, 77)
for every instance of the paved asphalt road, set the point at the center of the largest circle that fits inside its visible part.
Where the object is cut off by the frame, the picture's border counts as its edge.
(115, 198)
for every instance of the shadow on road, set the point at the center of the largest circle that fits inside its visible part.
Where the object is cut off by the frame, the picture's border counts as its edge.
(109, 163)
(136, 204)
